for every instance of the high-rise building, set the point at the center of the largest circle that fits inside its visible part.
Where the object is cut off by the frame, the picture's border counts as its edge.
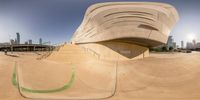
(40, 41)
(194, 43)
(12, 41)
(198, 45)
(15, 41)
(29, 41)
(170, 42)
(26, 42)
(182, 44)
(174, 45)
(189, 45)
(18, 38)
(177, 46)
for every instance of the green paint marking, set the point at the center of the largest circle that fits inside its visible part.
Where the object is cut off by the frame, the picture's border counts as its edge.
(66, 86)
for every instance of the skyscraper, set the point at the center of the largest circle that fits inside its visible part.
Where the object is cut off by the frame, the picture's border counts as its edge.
(170, 42)
(12, 41)
(182, 44)
(174, 45)
(18, 38)
(15, 41)
(189, 45)
(26, 42)
(29, 41)
(194, 43)
(198, 45)
(40, 41)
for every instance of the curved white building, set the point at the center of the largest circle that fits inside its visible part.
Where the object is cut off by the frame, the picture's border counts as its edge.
(127, 28)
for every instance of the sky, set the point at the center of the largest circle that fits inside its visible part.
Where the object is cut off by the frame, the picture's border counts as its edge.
(57, 20)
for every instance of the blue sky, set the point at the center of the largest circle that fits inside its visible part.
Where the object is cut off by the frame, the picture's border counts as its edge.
(56, 20)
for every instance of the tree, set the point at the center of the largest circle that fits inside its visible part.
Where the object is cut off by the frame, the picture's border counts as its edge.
(171, 48)
(164, 48)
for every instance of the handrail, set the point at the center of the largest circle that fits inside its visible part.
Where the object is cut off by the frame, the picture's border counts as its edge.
(57, 48)
(94, 53)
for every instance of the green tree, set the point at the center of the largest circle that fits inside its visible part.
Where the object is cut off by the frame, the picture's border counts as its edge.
(164, 48)
(171, 48)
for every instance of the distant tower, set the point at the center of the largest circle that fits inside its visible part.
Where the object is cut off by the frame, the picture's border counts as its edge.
(29, 41)
(194, 43)
(189, 45)
(18, 38)
(182, 44)
(15, 41)
(170, 42)
(40, 41)
(174, 45)
(26, 42)
(12, 41)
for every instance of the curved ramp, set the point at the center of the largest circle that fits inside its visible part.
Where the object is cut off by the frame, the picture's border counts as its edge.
(47, 78)
(119, 30)
(160, 76)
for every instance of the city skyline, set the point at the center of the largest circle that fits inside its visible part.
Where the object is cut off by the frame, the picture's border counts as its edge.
(57, 20)
(17, 39)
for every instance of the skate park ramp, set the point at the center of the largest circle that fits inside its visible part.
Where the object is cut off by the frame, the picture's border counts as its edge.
(60, 76)
(160, 77)
(171, 76)
(78, 70)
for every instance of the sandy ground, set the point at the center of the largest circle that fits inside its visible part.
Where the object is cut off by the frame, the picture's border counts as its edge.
(162, 76)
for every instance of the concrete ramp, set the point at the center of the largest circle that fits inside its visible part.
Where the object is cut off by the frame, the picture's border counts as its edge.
(70, 73)
(162, 76)
(159, 77)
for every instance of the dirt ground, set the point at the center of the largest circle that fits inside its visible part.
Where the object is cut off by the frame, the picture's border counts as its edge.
(162, 76)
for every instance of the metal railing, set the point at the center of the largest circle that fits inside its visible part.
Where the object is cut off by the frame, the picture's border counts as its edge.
(48, 53)
(94, 53)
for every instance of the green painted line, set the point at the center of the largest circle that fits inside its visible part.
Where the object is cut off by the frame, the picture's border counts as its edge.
(66, 85)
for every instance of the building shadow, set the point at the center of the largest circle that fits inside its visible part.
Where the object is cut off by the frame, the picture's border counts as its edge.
(124, 49)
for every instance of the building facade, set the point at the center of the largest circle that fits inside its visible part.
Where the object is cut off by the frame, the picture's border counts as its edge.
(125, 30)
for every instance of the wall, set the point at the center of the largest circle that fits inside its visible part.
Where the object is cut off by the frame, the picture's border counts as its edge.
(116, 50)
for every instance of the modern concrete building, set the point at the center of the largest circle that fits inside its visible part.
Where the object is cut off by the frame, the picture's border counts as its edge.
(125, 30)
